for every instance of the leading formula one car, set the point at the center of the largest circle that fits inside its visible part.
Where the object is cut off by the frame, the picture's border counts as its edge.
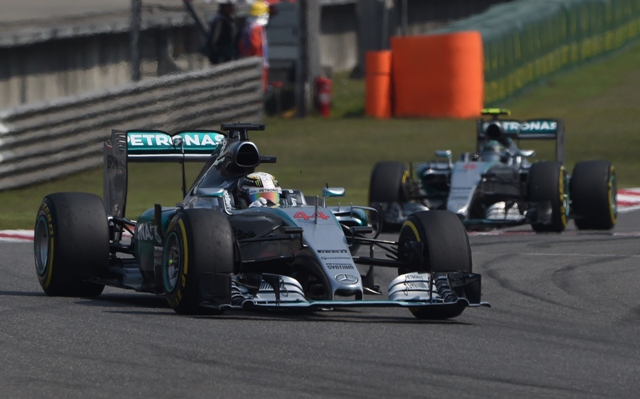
(208, 255)
(498, 186)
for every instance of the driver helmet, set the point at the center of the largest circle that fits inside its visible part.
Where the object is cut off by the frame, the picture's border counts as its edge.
(492, 151)
(258, 189)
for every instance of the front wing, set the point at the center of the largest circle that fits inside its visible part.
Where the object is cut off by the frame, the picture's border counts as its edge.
(444, 296)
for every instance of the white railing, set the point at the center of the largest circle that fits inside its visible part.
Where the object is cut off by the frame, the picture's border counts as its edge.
(42, 141)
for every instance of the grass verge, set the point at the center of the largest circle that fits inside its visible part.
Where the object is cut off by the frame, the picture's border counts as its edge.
(598, 103)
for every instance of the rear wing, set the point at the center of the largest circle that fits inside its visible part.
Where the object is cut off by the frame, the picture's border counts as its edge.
(532, 129)
(185, 146)
(149, 146)
(158, 146)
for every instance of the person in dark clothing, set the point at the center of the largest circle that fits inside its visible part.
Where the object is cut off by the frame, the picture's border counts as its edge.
(221, 41)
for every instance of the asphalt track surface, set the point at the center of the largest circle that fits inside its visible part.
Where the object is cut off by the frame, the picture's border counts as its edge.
(564, 324)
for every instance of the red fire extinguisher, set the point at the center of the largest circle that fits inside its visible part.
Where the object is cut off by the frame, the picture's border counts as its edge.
(323, 96)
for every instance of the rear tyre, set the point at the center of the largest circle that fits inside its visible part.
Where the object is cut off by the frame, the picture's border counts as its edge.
(445, 248)
(547, 184)
(387, 186)
(198, 260)
(71, 244)
(387, 179)
(593, 189)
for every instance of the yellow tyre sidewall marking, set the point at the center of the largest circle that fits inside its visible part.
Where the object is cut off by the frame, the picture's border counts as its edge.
(185, 267)
(413, 228)
(563, 209)
(185, 246)
(405, 176)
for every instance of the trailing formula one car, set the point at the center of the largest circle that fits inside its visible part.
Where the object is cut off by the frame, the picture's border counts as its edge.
(498, 186)
(239, 241)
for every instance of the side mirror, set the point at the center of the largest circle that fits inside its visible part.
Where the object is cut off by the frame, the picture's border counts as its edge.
(526, 153)
(445, 154)
(333, 192)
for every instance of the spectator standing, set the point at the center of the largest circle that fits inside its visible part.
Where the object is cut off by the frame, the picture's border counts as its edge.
(253, 38)
(220, 44)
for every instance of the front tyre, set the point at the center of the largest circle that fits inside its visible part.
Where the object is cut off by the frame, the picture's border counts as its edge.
(547, 184)
(444, 243)
(198, 260)
(71, 244)
(593, 189)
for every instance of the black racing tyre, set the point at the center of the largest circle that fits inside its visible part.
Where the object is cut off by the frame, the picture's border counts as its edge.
(387, 182)
(198, 259)
(445, 243)
(593, 189)
(445, 249)
(547, 183)
(71, 244)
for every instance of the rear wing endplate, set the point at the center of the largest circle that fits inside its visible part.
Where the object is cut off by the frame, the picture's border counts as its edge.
(149, 146)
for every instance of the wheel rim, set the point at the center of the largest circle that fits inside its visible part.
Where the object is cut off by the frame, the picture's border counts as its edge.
(171, 262)
(41, 244)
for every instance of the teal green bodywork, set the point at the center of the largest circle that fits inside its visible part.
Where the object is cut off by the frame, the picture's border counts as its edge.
(144, 247)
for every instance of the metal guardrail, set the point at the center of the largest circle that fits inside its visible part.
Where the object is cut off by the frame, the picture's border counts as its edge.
(39, 142)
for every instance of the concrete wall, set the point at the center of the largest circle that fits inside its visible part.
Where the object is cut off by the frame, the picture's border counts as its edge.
(43, 63)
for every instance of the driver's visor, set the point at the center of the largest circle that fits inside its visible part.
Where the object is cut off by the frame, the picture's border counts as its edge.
(270, 195)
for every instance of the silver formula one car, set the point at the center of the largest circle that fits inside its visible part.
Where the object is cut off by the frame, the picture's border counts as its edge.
(211, 254)
(497, 186)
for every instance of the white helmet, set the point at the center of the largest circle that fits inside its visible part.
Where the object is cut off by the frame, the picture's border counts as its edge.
(258, 186)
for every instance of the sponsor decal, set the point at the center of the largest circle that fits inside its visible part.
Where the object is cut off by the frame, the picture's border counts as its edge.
(534, 126)
(333, 251)
(539, 126)
(346, 278)
(469, 166)
(163, 141)
(242, 234)
(335, 257)
(304, 216)
(227, 201)
(148, 232)
(415, 286)
(340, 266)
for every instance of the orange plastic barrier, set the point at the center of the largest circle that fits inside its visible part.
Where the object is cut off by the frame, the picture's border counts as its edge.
(378, 84)
(438, 75)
